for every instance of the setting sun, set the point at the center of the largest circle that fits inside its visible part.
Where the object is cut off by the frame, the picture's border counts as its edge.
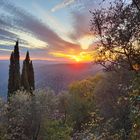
(76, 58)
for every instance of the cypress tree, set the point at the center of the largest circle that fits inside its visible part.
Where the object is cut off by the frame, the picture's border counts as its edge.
(24, 77)
(27, 58)
(27, 77)
(11, 83)
(31, 76)
(14, 71)
(17, 66)
(16, 52)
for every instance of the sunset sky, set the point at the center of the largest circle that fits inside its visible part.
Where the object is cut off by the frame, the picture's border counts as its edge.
(55, 30)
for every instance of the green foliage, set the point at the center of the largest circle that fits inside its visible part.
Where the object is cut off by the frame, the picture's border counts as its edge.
(119, 53)
(55, 130)
(2, 120)
(134, 98)
(98, 107)
(81, 101)
(36, 117)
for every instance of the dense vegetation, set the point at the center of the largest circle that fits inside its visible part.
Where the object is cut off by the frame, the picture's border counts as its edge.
(103, 107)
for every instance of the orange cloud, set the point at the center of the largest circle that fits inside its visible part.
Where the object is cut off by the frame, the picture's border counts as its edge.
(4, 57)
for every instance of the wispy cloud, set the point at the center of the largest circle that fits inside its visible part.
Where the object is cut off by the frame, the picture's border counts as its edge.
(8, 50)
(46, 37)
(62, 5)
(18, 23)
(54, 23)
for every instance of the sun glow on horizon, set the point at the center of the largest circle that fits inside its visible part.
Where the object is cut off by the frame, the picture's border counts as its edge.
(81, 57)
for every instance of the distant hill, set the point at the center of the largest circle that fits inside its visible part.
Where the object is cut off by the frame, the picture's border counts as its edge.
(47, 74)
(59, 76)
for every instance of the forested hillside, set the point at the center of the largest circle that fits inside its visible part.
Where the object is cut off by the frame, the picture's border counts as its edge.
(95, 98)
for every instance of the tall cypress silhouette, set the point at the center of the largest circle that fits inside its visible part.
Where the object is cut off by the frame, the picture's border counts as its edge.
(24, 77)
(31, 76)
(11, 75)
(26, 80)
(17, 66)
(27, 76)
(14, 71)
(27, 58)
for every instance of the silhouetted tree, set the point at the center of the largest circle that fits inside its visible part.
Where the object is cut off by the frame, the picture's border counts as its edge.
(118, 29)
(31, 76)
(14, 71)
(27, 77)
(17, 66)
(24, 77)
(11, 75)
